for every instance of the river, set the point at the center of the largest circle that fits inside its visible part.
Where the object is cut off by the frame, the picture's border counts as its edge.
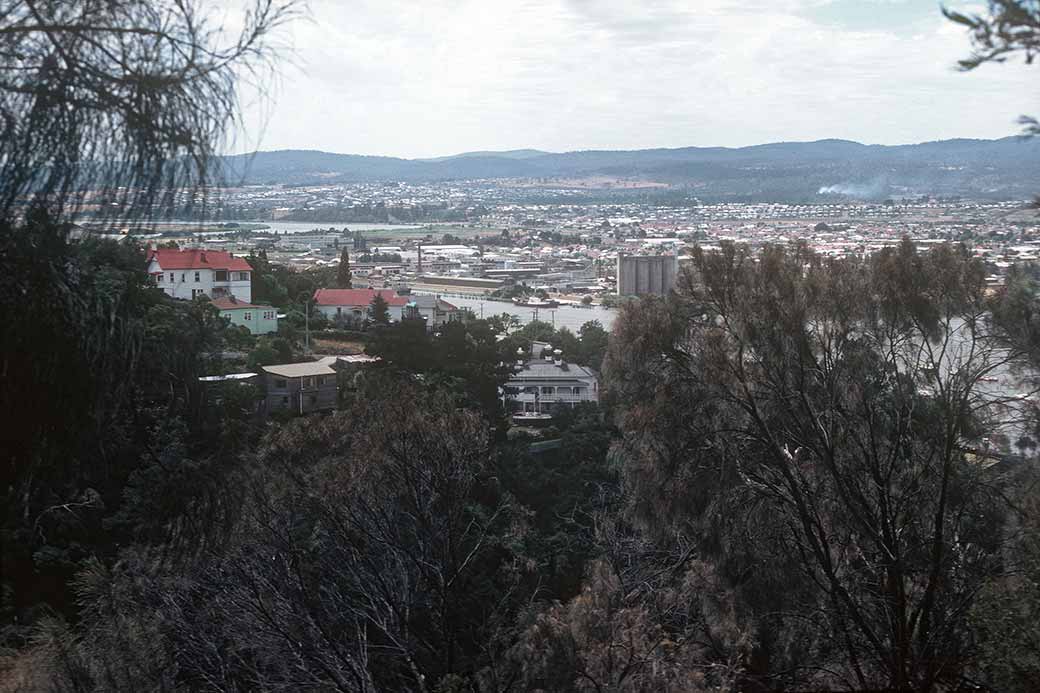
(571, 317)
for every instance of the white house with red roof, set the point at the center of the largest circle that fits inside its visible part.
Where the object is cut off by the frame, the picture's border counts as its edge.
(195, 272)
(353, 304)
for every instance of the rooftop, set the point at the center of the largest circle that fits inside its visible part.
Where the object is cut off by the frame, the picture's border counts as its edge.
(543, 369)
(224, 378)
(232, 303)
(427, 301)
(300, 370)
(197, 258)
(356, 297)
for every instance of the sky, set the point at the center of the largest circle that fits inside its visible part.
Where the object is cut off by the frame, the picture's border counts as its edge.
(426, 78)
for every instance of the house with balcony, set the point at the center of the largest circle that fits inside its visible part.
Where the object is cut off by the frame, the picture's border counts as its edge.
(300, 388)
(258, 319)
(189, 273)
(546, 379)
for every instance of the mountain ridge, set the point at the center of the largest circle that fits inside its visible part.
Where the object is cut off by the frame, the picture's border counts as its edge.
(1007, 167)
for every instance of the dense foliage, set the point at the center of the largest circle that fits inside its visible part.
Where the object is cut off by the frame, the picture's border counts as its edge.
(803, 490)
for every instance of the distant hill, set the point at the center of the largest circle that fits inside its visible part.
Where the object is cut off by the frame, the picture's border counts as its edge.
(1005, 168)
(508, 154)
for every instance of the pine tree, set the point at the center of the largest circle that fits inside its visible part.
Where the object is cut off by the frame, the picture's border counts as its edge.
(343, 273)
(380, 310)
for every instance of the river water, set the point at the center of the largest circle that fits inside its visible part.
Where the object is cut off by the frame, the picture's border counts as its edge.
(571, 317)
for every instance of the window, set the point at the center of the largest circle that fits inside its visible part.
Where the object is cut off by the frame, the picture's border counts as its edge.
(243, 276)
(197, 292)
(182, 277)
(248, 317)
(196, 277)
(220, 275)
(268, 315)
(308, 382)
(547, 391)
(280, 383)
(171, 277)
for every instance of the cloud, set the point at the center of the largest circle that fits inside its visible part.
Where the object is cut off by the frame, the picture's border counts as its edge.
(424, 79)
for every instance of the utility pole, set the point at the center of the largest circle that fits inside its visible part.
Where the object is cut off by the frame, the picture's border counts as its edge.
(306, 321)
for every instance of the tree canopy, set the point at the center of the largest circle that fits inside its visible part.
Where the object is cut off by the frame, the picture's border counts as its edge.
(119, 105)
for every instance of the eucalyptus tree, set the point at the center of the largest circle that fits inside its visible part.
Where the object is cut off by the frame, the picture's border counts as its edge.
(121, 105)
(825, 430)
(109, 107)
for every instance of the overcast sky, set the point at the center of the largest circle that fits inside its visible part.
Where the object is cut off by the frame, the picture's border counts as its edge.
(423, 78)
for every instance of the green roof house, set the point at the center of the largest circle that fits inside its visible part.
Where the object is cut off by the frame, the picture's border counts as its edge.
(257, 319)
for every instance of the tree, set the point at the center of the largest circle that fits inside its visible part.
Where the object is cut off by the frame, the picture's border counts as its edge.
(379, 310)
(834, 411)
(153, 87)
(374, 553)
(594, 342)
(343, 276)
(1009, 27)
(124, 104)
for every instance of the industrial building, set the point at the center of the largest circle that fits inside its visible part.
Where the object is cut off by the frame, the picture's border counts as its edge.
(641, 275)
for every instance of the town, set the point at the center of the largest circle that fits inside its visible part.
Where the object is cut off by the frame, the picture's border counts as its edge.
(564, 265)
(549, 347)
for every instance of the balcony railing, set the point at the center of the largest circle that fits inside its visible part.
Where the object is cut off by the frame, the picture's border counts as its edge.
(561, 397)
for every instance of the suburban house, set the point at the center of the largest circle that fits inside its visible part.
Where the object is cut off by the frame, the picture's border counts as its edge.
(257, 319)
(435, 310)
(545, 379)
(186, 274)
(300, 388)
(354, 304)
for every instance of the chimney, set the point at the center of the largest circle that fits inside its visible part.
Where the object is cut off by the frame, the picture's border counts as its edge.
(558, 354)
(548, 353)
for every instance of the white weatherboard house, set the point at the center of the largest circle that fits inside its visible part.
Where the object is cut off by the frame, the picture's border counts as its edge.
(186, 274)
(546, 379)
(355, 304)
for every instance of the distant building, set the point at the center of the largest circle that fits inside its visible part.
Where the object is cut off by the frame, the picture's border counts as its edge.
(547, 379)
(641, 275)
(354, 304)
(186, 274)
(435, 310)
(257, 319)
(360, 243)
(470, 285)
(300, 388)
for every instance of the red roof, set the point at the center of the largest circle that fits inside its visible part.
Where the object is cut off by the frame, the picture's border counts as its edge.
(356, 297)
(196, 258)
(232, 303)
